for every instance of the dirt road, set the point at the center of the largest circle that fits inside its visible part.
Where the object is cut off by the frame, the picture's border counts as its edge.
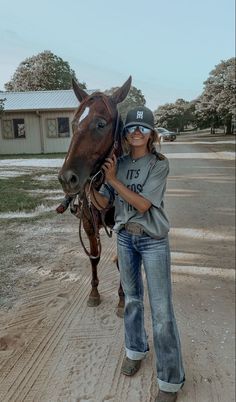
(53, 348)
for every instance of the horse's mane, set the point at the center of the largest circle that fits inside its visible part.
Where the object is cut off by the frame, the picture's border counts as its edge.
(119, 150)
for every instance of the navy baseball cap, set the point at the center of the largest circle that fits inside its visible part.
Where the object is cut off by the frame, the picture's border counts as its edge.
(141, 116)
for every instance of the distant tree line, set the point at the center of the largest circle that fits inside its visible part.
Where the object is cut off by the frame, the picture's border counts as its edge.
(214, 108)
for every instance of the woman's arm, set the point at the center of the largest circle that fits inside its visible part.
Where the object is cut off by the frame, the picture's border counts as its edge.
(134, 199)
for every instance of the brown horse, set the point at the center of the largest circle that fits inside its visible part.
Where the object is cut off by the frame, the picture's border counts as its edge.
(96, 135)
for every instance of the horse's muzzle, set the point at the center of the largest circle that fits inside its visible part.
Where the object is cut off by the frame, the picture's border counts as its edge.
(70, 181)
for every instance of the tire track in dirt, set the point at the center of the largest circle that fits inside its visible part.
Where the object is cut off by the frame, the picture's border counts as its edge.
(31, 362)
(24, 316)
(59, 350)
(21, 371)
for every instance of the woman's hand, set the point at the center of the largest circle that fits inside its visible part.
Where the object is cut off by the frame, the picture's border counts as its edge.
(109, 168)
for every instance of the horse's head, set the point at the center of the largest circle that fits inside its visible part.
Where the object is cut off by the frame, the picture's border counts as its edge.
(94, 126)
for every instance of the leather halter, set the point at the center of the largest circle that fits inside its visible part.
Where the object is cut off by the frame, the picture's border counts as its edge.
(87, 196)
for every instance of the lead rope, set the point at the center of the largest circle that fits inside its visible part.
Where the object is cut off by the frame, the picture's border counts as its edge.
(92, 257)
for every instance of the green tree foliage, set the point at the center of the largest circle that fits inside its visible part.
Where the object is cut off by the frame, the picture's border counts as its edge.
(45, 71)
(134, 98)
(175, 116)
(216, 105)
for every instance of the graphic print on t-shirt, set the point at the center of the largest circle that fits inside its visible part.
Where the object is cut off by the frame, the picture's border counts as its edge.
(132, 176)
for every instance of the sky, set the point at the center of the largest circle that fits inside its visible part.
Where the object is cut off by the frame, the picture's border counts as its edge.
(168, 47)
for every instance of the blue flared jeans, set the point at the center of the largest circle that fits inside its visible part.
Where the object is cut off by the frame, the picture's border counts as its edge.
(133, 251)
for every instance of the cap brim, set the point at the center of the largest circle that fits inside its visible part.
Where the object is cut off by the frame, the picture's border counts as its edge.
(138, 123)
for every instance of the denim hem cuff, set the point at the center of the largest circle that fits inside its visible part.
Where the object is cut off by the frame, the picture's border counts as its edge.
(169, 387)
(131, 354)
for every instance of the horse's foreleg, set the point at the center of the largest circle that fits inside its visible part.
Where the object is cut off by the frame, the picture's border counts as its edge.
(94, 297)
(121, 304)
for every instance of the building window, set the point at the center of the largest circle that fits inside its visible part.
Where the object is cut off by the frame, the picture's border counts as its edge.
(14, 128)
(58, 128)
(19, 128)
(52, 128)
(63, 127)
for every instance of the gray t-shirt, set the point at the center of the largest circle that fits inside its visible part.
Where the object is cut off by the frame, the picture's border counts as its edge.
(147, 177)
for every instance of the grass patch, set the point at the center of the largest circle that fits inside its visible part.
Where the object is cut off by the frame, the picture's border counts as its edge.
(15, 195)
(19, 202)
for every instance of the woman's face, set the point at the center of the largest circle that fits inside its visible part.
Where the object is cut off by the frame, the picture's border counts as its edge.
(138, 139)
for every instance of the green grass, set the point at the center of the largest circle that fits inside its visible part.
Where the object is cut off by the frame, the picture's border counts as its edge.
(15, 195)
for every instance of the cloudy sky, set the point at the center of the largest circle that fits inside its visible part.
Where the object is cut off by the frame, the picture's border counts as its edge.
(169, 47)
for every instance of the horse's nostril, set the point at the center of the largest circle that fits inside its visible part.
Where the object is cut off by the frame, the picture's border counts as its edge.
(60, 178)
(73, 179)
(69, 180)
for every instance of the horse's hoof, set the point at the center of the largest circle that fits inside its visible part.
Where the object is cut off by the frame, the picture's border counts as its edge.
(120, 312)
(93, 301)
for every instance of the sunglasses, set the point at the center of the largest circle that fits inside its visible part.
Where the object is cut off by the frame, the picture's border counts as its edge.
(142, 129)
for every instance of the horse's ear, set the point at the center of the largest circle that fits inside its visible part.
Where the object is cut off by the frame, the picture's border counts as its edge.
(79, 92)
(120, 94)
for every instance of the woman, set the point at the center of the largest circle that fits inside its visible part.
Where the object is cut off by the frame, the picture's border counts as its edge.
(137, 183)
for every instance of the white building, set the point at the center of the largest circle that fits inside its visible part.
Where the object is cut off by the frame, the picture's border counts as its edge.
(37, 122)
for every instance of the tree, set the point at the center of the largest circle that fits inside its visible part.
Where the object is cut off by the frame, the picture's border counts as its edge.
(175, 116)
(217, 102)
(206, 113)
(134, 98)
(45, 71)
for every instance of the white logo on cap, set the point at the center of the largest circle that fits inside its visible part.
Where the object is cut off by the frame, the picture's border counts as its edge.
(139, 115)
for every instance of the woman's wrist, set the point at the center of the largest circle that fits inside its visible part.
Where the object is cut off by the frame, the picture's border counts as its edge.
(113, 181)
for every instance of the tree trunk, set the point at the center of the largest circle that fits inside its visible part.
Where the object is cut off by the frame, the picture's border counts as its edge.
(229, 126)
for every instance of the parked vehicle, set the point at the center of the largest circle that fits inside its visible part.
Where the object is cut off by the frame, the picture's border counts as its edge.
(166, 135)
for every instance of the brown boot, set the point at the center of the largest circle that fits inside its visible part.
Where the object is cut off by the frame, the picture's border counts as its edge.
(64, 204)
(130, 367)
(166, 396)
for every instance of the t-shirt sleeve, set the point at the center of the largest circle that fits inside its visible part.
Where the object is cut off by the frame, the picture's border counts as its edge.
(108, 192)
(155, 184)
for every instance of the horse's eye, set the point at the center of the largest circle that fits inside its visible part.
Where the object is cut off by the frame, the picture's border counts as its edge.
(101, 124)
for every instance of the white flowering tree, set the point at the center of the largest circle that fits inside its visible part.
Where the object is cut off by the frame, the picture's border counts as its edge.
(217, 105)
(175, 116)
(45, 71)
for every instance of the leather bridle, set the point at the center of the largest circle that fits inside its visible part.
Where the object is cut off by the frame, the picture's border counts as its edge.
(86, 197)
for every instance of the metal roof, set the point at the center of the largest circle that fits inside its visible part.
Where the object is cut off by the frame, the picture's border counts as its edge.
(40, 100)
